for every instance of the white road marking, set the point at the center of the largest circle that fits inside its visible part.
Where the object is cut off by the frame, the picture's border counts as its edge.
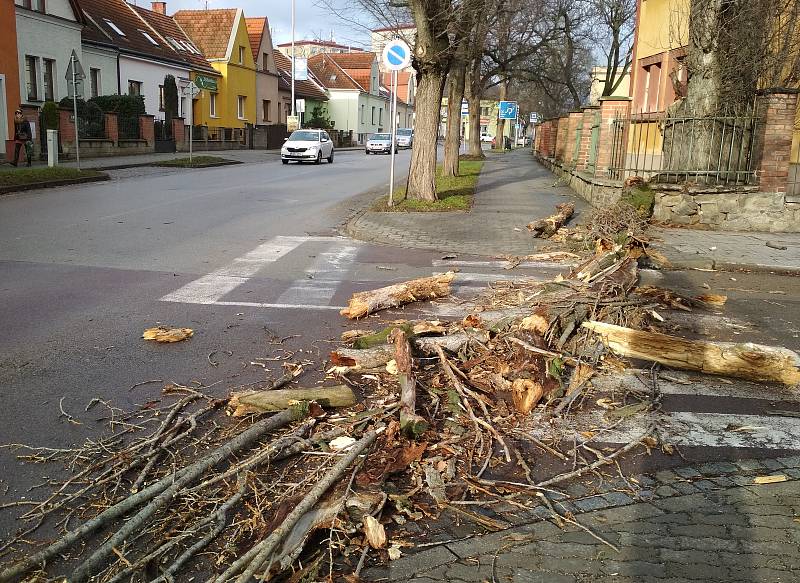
(211, 288)
(322, 278)
(279, 306)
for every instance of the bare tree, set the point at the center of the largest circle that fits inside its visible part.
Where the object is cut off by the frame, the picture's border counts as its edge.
(613, 24)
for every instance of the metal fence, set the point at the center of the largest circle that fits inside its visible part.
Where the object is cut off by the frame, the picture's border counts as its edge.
(92, 126)
(220, 134)
(685, 148)
(128, 127)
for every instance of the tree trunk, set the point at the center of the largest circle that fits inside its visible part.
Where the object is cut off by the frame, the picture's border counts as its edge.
(546, 228)
(269, 401)
(499, 142)
(452, 139)
(422, 173)
(392, 296)
(411, 424)
(754, 362)
(474, 139)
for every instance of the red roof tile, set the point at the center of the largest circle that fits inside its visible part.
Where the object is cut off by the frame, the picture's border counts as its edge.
(255, 30)
(304, 89)
(360, 60)
(210, 30)
(330, 74)
(168, 29)
(320, 43)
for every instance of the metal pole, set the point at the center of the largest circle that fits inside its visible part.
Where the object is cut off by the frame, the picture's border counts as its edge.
(75, 111)
(394, 137)
(191, 121)
(293, 60)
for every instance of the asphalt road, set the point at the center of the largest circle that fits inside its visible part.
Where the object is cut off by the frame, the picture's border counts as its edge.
(249, 257)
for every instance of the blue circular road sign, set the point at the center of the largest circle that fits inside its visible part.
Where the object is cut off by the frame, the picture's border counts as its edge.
(396, 55)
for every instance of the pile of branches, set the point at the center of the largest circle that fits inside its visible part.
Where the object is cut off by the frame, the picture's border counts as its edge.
(181, 489)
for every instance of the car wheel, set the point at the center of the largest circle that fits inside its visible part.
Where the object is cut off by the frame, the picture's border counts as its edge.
(366, 152)
(285, 161)
(319, 158)
(330, 158)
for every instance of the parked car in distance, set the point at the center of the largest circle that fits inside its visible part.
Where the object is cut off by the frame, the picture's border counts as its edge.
(405, 137)
(379, 144)
(307, 146)
(524, 141)
(486, 137)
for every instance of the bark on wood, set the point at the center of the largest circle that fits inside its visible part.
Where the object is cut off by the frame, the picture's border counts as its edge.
(426, 288)
(545, 228)
(378, 356)
(411, 424)
(455, 93)
(750, 361)
(269, 401)
(254, 559)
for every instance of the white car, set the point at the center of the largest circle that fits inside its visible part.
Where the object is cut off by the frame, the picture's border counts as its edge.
(405, 137)
(307, 146)
(487, 138)
(380, 144)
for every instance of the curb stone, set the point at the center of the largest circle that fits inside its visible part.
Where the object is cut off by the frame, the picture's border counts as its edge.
(53, 183)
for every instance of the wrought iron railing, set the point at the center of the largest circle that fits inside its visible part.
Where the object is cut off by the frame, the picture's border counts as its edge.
(662, 147)
(128, 127)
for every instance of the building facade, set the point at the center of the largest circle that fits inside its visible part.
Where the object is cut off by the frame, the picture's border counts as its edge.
(228, 100)
(9, 71)
(268, 99)
(310, 90)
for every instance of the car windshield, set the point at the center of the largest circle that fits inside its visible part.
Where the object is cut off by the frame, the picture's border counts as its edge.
(381, 137)
(404, 132)
(304, 136)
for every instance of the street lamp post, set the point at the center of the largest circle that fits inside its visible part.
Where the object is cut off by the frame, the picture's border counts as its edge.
(294, 58)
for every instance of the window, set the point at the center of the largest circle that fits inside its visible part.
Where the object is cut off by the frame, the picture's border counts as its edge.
(49, 70)
(240, 106)
(114, 27)
(265, 61)
(362, 114)
(267, 108)
(94, 82)
(160, 98)
(148, 37)
(651, 87)
(241, 55)
(212, 104)
(134, 87)
(32, 77)
(373, 115)
(380, 116)
(37, 5)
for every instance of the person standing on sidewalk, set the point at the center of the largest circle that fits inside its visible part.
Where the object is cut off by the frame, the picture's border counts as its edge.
(22, 136)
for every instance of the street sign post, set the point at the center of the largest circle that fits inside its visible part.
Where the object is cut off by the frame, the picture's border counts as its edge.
(508, 110)
(301, 106)
(396, 57)
(534, 117)
(191, 91)
(301, 69)
(75, 74)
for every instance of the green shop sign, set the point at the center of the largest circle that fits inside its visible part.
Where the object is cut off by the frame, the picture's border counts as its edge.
(204, 82)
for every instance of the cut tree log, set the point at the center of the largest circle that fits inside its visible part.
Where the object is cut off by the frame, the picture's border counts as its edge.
(411, 424)
(268, 401)
(545, 228)
(750, 361)
(352, 360)
(399, 294)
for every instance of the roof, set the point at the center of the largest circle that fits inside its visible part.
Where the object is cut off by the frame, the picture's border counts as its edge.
(360, 60)
(396, 27)
(305, 89)
(403, 78)
(321, 43)
(210, 30)
(169, 30)
(255, 30)
(116, 23)
(330, 74)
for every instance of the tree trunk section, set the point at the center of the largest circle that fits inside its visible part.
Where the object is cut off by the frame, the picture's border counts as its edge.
(411, 424)
(749, 361)
(422, 173)
(426, 288)
(499, 142)
(546, 228)
(474, 138)
(452, 139)
(269, 401)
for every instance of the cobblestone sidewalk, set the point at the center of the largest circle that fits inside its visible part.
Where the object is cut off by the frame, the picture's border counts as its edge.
(512, 191)
(704, 523)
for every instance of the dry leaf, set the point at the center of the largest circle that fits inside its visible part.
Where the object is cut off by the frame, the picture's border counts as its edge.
(712, 299)
(341, 442)
(164, 334)
(375, 533)
(770, 479)
(394, 553)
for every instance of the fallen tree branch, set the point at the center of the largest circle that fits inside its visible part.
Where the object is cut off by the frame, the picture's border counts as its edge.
(270, 401)
(426, 288)
(546, 228)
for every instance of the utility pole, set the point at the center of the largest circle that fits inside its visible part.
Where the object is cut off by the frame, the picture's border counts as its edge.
(73, 61)
(294, 57)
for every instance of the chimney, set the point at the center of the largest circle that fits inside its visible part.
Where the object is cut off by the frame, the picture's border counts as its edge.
(160, 7)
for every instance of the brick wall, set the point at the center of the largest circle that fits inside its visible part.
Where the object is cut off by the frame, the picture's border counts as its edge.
(778, 111)
(575, 119)
(587, 120)
(112, 127)
(66, 126)
(610, 109)
(178, 130)
(562, 139)
(147, 130)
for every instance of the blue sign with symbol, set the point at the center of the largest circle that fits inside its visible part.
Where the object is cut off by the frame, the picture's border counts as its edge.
(396, 55)
(508, 110)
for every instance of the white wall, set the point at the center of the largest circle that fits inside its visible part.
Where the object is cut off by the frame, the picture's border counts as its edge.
(151, 75)
(45, 37)
(106, 61)
(343, 109)
(60, 8)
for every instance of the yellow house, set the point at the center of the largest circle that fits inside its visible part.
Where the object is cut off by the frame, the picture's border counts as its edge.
(229, 100)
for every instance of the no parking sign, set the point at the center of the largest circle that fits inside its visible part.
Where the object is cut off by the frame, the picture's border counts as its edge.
(396, 55)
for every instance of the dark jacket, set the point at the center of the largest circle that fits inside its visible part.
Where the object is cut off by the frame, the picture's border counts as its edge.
(22, 131)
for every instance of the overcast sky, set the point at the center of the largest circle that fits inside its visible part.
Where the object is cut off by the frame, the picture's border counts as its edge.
(313, 18)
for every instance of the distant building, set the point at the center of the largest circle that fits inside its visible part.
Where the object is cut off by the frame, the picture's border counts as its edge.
(268, 97)
(311, 90)
(309, 48)
(599, 76)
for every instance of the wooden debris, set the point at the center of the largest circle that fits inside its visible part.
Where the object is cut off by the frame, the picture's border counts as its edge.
(750, 361)
(374, 532)
(715, 300)
(545, 228)
(411, 424)
(269, 401)
(426, 288)
(164, 334)
(526, 394)
(774, 479)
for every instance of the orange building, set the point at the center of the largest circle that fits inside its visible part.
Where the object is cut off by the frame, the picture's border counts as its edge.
(9, 70)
